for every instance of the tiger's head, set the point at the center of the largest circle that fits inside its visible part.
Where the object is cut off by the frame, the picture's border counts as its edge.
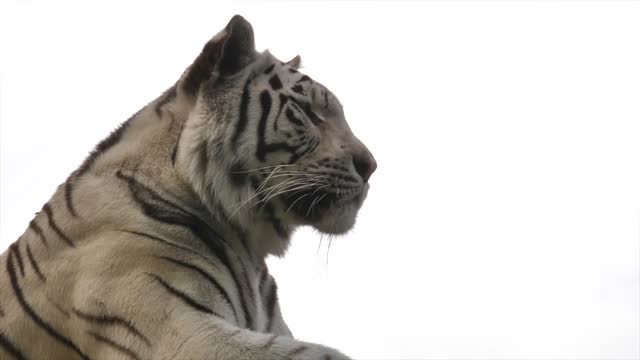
(264, 141)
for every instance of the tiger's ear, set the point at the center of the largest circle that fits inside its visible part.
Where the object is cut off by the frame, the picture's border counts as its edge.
(226, 54)
(295, 62)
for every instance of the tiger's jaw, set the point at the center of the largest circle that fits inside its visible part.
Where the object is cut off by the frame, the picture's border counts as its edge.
(329, 213)
(341, 217)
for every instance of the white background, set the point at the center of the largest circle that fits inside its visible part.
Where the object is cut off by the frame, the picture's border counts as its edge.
(504, 218)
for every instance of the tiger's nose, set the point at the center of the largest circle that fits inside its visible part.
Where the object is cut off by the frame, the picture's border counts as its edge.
(365, 165)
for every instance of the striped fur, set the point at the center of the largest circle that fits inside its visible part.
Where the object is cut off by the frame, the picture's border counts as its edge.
(155, 247)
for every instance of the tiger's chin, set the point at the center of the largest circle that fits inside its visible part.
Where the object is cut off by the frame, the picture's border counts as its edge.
(337, 224)
(341, 217)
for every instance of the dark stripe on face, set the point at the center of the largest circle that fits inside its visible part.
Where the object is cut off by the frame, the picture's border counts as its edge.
(183, 296)
(68, 189)
(118, 347)
(160, 209)
(211, 280)
(310, 114)
(36, 228)
(15, 249)
(10, 347)
(283, 102)
(34, 264)
(243, 118)
(34, 316)
(54, 226)
(166, 98)
(268, 70)
(304, 78)
(292, 117)
(298, 89)
(111, 320)
(265, 103)
(306, 108)
(275, 83)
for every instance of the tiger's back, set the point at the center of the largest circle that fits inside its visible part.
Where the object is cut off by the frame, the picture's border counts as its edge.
(154, 248)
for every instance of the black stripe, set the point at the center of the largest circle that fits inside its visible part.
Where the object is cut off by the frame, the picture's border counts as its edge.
(34, 264)
(275, 82)
(326, 99)
(184, 297)
(158, 208)
(269, 342)
(58, 307)
(263, 147)
(304, 78)
(203, 157)
(283, 101)
(54, 226)
(270, 212)
(268, 70)
(251, 296)
(275, 222)
(306, 108)
(104, 319)
(68, 190)
(224, 217)
(297, 350)
(167, 242)
(10, 347)
(243, 118)
(15, 249)
(292, 117)
(36, 228)
(32, 314)
(213, 281)
(264, 276)
(115, 345)
(103, 146)
(265, 103)
(271, 301)
(298, 88)
(174, 152)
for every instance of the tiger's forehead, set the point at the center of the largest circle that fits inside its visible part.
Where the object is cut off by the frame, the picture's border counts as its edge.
(279, 75)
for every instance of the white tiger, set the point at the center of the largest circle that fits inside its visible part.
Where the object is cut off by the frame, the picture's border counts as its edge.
(154, 248)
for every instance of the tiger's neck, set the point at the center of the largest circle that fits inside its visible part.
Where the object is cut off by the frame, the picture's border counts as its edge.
(230, 198)
(169, 175)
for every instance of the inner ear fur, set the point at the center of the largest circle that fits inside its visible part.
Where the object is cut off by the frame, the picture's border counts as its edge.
(295, 62)
(225, 54)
